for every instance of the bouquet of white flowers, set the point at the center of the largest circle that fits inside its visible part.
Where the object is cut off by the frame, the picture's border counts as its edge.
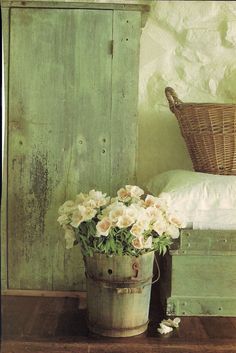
(130, 224)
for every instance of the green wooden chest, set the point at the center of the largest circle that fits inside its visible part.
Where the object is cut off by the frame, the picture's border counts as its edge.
(198, 276)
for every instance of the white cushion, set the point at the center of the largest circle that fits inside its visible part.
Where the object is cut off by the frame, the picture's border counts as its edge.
(202, 200)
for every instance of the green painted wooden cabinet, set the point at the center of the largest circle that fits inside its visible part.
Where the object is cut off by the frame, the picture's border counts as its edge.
(198, 277)
(71, 90)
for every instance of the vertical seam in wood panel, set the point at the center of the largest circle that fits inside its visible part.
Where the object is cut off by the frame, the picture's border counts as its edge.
(137, 112)
(7, 143)
(110, 162)
(8, 102)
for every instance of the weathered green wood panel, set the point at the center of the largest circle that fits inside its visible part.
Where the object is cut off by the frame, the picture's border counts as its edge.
(5, 20)
(127, 5)
(199, 274)
(201, 306)
(203, 276)
(126, 35)
(59, 114)
(206, 242)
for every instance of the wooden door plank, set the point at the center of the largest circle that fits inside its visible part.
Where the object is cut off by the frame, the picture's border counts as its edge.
(6, 33)
(126, 36)
(60, 76)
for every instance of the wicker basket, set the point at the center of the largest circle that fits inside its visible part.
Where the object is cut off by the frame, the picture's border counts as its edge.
(209, 131)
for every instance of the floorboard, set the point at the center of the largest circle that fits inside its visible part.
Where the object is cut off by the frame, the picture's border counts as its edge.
(58, 325)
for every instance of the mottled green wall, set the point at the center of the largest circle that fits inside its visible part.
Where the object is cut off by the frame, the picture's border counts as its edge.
(190, 46)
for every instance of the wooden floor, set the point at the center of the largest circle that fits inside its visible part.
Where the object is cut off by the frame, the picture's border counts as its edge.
(58, 325)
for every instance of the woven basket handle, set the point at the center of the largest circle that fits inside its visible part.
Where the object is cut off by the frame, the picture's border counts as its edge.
(172, 98)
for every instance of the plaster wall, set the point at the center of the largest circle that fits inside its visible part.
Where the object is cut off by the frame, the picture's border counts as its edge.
(190, 46)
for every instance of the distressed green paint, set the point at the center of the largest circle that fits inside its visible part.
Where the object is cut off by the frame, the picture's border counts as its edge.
(201, 306)
(127, 5)
(203, 242)
(57, 117)
(204, 275)
(126, 29)
(5, 18)
(199, 275)
(119, 289)
(64, 91)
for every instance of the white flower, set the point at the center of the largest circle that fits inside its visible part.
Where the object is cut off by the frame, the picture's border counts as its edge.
(67, 207)
(124, 221)
(172, 323)
(172, 231)
(140, 203)
(123, 195)
(63, 219)
(76, 219)
(164, 329)
(133, 211)
(160, 226)
(138, 243)
(175, 221)
(148, 243)
(99, 198)
(116, 211)
(69, 236)
(90, 203)
(134, 191)
(137, 229)
(88, 213)
(149, 200)
(103, 227)
(144, 217)
(154, 213)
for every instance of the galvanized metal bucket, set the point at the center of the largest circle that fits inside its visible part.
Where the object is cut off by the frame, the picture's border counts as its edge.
(118, 294)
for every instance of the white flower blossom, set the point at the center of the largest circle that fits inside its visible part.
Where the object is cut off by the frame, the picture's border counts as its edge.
(149, 200)
(124, 221)
(160, 226)
(103, 227)
(172, 323)
(76, 219)
(164, 329)
(154, 214)
(88, 213)
(167, 326)
(148, 243)
(172, 231)
(117, 211)
(137, 229)
(175, 221)
(145, 217)
(134, 191)
(138, 243)
(123, 195)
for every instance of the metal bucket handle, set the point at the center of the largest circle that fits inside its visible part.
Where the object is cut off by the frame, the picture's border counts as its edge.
(174, 101)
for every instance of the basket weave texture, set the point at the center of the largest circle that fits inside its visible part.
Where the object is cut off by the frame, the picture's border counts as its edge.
(209, 131)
